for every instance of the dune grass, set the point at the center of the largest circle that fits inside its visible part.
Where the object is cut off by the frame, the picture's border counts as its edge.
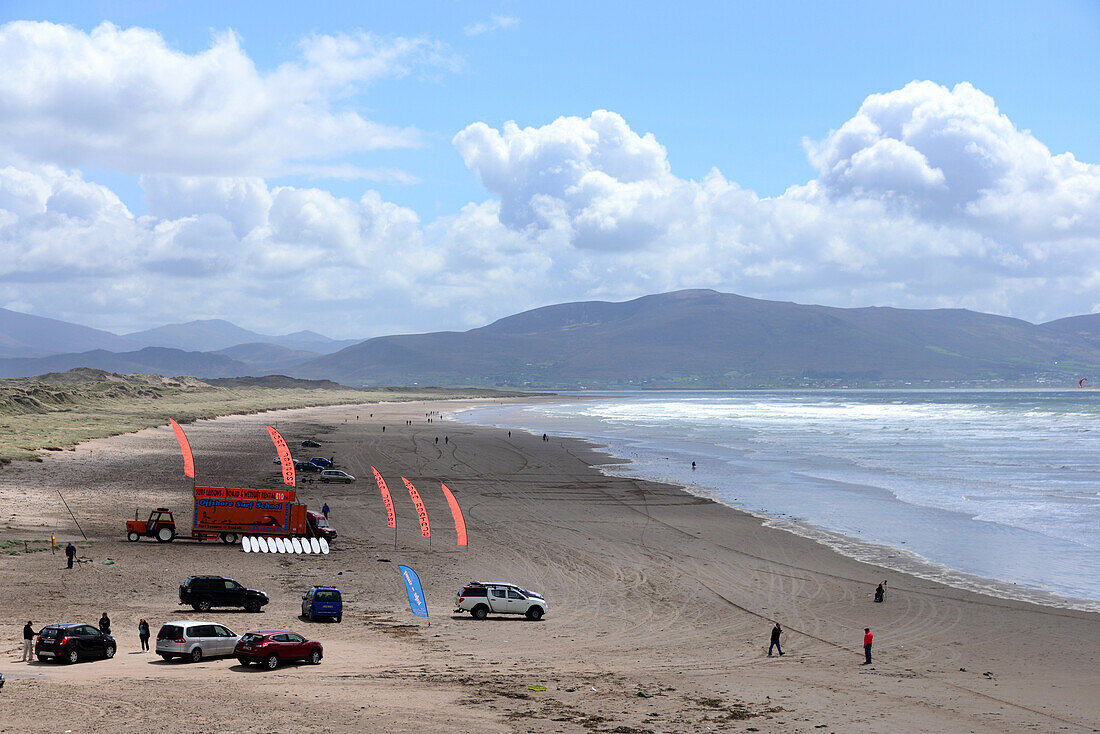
(56, 412)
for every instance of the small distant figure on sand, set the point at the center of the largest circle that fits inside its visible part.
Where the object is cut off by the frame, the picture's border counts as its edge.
(324, 510)
(437, 440)
(693, 466)
(777, 630)
(383, 429)
(868, 638)
(544, 438)
(105, 624)
(509, 434)
(880, 593)
(446, 439)
(70, 553)
(143, 635)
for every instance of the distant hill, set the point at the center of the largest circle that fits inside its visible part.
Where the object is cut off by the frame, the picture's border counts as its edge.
(212, 335)
(24, 335)
(267, 358)
(702, 338)
(149, 360)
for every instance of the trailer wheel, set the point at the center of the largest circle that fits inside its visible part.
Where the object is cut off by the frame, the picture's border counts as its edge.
(229, 538)
(132, 536)
(165, 534)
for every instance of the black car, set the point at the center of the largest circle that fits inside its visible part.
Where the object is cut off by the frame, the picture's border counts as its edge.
(204, 592)
(69, 643)
(305, 466)
(311, 444)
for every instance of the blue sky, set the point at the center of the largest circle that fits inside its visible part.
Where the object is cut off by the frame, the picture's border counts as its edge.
(732, 86)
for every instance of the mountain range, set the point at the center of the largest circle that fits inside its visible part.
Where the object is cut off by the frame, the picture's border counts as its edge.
(694, 338)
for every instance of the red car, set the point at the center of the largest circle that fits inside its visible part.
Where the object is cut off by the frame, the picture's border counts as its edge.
(271, 647)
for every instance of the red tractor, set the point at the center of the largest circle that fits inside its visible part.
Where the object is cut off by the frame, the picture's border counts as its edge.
(160, 525)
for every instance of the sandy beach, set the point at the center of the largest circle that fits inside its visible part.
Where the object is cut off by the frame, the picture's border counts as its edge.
(660, 602)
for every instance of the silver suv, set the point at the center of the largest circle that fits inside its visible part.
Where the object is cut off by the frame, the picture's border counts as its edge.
(479, 598)
(193, 640)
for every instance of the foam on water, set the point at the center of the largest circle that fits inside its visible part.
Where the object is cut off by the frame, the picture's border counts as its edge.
(983, 489)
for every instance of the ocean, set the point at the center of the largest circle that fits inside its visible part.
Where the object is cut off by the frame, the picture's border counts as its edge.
(993, 490)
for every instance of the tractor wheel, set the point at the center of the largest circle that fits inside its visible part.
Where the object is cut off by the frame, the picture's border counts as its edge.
(165, 534)
(132, 536)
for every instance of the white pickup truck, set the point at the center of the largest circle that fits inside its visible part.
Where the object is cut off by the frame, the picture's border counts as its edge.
(480, 598)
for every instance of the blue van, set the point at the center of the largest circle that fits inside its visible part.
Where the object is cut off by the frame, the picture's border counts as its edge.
(323, 601)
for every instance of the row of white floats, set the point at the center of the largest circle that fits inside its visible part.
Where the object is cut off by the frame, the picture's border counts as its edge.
(305, 546)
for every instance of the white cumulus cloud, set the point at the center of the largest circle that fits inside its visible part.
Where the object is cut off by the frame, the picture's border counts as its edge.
(122, 99)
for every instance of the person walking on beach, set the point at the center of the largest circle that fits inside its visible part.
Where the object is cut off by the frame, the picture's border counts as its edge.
(324, 510)
(868, 638)
(880, 593)
(70, 553)
(28, 642)
(777, 630)
(143, 635)
(105, 624)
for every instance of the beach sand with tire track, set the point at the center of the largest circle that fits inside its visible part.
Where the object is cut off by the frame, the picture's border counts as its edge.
(660, 602)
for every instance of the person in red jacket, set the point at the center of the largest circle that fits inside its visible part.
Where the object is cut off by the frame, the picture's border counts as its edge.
(868, 638)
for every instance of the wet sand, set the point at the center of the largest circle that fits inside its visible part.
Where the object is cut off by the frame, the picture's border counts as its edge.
(650, 590)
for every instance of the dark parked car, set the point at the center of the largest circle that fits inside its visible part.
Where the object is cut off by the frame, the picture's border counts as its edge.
(311, 444)
(70, 643)
(271, 647)
(321, 462)
(204, 592)
(305, 466)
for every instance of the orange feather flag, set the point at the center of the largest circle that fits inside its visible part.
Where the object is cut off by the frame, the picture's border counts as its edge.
(284, 456)
(456, 511)
(185, 448)
(391, 516)
(421, 513)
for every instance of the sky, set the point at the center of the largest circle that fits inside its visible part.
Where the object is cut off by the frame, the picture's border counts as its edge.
(364, 169)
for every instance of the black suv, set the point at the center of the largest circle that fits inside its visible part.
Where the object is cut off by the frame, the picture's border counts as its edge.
(69, 643)
(203, 592)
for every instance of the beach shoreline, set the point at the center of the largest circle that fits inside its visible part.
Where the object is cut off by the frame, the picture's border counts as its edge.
(651, 589)
(625, 460)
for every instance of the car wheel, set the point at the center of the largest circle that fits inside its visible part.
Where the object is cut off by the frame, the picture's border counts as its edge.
(109, 652)
(244, 661)
(167, 658)
(132, 536)
(309, 615)
(480, 611)
(73, 656)
(339, 619)
(272, 662)
(315, 657)
(203, 605)
(165, 535)
(42, 659)
(252, 606)
(324, 480)
(347, 481)
(534, 614)
(196, 655)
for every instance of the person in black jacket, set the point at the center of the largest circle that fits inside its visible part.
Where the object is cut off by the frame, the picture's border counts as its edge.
(105, 624)
(28, 642)
(70, 553)
(143, 634)
(776, 632)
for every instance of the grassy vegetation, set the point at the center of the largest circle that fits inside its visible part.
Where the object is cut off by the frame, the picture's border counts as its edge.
(57, 411)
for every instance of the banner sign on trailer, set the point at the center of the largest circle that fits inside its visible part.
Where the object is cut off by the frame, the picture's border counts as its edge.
(239, 515)
(417, 603)
(391, 516)
(284, 456)
(185, 448)
(421, 513)
(236, 493)
(456, 511)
